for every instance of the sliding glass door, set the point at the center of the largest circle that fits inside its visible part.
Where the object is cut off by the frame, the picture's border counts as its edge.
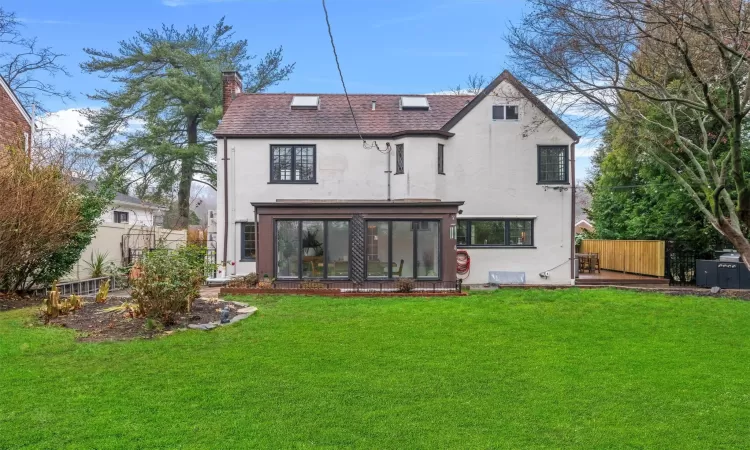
(403, 249)
(312, 249)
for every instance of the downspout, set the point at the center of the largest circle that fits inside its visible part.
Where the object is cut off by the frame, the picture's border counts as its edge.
(226, 204)
(234, 214)
(388, 171)
(573, 212)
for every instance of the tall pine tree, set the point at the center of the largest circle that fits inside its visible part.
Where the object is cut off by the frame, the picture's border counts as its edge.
(157, 124)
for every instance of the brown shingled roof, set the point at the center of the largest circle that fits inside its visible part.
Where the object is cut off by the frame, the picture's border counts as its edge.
(271, 114)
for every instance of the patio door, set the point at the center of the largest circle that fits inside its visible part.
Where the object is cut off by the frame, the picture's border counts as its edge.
(403, 249)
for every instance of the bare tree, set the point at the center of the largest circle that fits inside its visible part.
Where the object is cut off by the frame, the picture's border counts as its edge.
(23, 62)
(69, 154)
(675, 71)
(474, 85)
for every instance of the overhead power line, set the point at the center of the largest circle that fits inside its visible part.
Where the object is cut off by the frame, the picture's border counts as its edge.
(346, 93)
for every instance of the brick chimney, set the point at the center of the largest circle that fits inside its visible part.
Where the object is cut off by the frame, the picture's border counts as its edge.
(231, 87)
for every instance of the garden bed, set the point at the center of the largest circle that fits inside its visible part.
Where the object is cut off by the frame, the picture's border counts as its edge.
(96, 324)
(342, 292)
(14, 301)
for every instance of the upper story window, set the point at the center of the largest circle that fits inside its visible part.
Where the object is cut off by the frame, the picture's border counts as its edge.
(504, 112)
(121, 217)
(441, 162)
(553, 164)
(495, 233)
(293, 163)
(399, 159)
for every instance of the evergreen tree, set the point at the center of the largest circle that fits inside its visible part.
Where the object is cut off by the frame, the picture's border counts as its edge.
(158, 123)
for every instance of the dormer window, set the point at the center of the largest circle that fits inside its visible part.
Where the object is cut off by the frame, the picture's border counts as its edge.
(305, 102)
(504, 112)
(414, 104)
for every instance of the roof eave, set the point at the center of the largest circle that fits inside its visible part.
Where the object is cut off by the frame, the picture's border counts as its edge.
(399, 134)
(507, 76)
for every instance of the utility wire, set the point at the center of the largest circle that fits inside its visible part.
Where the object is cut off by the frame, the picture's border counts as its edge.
(341, 75)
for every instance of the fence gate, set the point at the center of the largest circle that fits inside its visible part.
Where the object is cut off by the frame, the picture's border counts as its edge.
(680, 263)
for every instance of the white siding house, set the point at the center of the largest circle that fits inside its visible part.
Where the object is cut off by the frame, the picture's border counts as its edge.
(502, 153)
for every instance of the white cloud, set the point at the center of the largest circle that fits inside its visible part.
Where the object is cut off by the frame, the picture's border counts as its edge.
(67, 122)
(587, 146)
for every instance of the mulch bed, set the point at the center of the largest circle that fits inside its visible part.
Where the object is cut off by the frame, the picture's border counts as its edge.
(13, 301)
(94, 324)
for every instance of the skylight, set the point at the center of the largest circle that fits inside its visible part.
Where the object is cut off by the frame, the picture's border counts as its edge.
(419, 103)
(305, 102)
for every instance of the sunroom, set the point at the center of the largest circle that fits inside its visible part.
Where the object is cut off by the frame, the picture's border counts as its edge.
(357, 241)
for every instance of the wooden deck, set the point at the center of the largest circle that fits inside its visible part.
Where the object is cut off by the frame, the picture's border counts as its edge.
(611, 278)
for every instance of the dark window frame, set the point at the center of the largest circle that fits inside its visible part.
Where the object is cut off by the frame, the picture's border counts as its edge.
(441, 159)
(566, 166)
(243, 241)
(506, 236)
(118, 216)
(415, 250)
(399, 159)
(314, 179)
(300, 251)
(504, 109)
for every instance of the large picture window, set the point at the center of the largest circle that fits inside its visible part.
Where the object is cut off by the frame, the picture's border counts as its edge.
(312, 249)
(293, 163)
(495, 233)
(553, 164)
(403, 249)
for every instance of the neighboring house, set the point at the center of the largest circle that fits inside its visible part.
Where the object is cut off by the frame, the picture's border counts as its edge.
(584, 225)
(15, 121)
(128, 227)
(300, 197)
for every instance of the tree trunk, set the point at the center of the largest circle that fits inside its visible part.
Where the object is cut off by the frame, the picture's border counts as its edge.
(737, 239)
(186, 177)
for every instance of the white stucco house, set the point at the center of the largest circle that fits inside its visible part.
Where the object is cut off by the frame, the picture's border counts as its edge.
(438, 179)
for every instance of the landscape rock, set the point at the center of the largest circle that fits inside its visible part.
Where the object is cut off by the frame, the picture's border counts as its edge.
(715, 290)
(239, 317)
(202, 326)
(250, 310)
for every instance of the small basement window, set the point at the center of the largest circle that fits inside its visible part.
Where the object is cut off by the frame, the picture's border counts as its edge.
(121, 217)
(414, 103)
(504, 112)
(305, 102)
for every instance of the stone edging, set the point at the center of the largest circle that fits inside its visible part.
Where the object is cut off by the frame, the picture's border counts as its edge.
(245, 311)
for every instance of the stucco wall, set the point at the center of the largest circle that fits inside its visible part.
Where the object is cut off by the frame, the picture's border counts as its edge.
(108, 241)
(491, 165)
(137, 215)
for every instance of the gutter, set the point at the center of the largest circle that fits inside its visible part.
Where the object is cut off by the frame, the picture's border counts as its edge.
(226, 204)
(573, 212)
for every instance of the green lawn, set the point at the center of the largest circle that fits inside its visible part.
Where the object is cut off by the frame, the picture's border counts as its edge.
(508, 369)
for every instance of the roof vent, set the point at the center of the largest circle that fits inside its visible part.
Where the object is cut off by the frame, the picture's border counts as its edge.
(305, 102)
(414, 103)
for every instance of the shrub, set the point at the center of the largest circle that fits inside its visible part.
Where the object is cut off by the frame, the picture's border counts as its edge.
(311, 284)
(405, 285)
(266, 282)
(169, 281)
(46, 223)
(54, 306)
(101, 296)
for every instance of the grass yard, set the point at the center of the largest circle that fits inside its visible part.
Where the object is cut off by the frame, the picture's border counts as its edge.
(507, 369)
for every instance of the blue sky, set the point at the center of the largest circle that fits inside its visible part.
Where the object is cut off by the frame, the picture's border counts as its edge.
(385, 46)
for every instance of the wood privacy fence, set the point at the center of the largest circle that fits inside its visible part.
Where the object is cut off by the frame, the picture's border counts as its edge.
(641, 257)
